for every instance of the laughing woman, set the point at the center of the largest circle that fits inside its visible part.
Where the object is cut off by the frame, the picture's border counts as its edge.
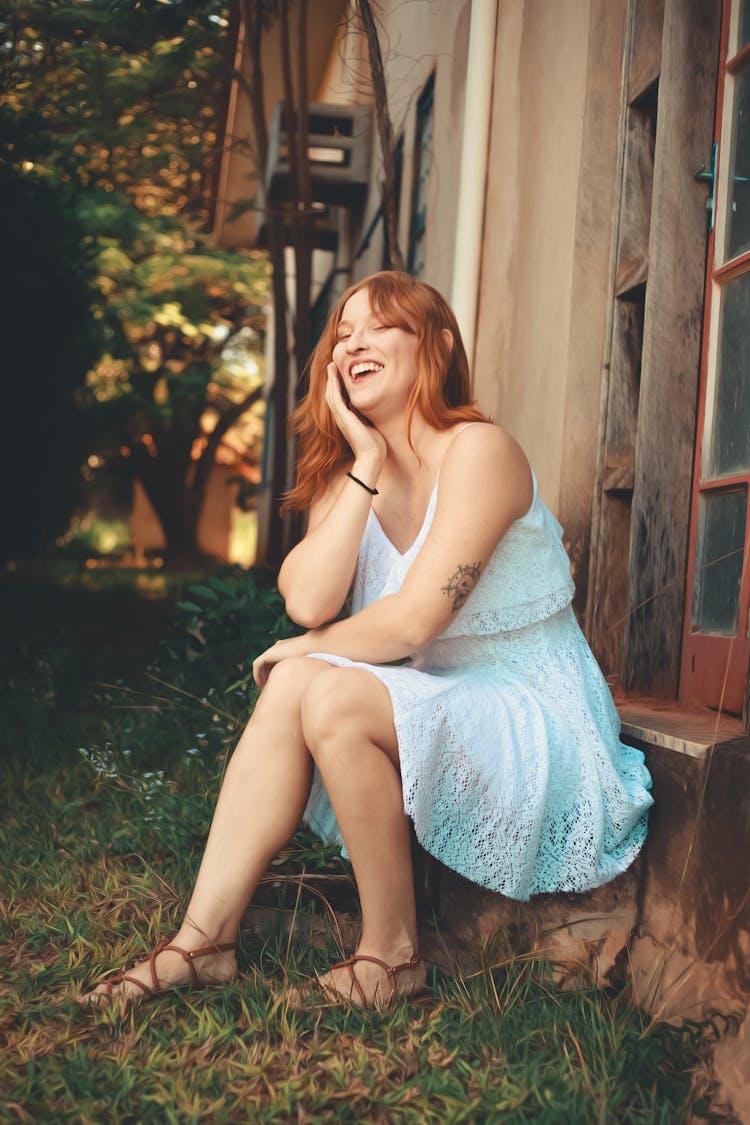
(459, 696)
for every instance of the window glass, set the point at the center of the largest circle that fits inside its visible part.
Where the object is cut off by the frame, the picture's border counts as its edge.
(738, 201)
(398, 169)
(729, 442)
(423, 163)
(718, 561)
(744, 35)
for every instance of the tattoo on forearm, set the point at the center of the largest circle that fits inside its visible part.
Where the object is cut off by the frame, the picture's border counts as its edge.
(461, 583)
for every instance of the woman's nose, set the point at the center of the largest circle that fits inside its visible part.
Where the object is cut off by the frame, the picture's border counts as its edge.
(356, 340)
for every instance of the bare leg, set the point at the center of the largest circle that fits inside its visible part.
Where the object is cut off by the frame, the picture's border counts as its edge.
(347, 723)
(262, 799)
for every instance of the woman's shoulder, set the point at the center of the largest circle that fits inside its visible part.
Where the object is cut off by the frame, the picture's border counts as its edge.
(485, 455)
(485, 435)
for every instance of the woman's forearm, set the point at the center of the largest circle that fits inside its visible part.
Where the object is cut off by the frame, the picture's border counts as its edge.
(375, 635)
(316, 575)
(384, 631)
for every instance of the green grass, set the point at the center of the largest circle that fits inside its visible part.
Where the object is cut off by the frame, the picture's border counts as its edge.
(98, 853)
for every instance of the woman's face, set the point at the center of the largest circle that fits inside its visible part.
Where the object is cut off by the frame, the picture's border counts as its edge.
(377, 360)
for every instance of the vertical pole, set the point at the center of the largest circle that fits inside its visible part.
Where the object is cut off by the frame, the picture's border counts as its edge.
(472, 185)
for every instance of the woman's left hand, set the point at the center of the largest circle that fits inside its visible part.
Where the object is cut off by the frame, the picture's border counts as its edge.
(282, 650)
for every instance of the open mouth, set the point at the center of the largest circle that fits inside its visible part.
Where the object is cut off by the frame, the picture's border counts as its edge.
(366, 367)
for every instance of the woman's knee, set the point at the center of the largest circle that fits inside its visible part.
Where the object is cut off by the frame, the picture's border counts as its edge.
(286, 684)
(277, 711)
(343, 708)
(328, 707)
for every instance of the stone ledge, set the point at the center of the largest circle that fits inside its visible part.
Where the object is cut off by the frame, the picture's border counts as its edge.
(584, 936)
(691, 731)
(690, 954)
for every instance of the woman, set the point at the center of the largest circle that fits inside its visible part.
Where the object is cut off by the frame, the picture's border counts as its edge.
(498, 738)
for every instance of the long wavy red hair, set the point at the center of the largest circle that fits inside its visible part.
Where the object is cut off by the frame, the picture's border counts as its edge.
(441, 392)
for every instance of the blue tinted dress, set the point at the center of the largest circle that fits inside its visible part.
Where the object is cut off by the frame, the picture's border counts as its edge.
(512, 768)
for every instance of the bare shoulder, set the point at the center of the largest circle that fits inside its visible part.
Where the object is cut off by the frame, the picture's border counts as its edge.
(487, 458)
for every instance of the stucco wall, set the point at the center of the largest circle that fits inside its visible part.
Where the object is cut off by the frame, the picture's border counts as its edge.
(543, 312)
(416, 38)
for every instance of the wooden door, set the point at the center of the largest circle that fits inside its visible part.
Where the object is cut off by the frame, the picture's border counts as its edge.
(715, 648)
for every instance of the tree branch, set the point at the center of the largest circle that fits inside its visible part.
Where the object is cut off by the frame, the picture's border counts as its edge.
(290, 113)
(385, 132)
(254, 87)
(208, 455)
(305, 222)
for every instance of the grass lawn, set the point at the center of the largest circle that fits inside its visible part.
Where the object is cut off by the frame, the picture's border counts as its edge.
(98, 853)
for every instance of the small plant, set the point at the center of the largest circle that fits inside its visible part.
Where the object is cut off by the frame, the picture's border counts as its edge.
(227, 621)
(233, 605)
(169, 814)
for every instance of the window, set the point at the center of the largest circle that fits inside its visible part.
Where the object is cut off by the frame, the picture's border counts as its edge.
(398, 168)
(422, 164)
(715, 648)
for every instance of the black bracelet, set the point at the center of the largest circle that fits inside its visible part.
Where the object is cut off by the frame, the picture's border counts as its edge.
(372, 491)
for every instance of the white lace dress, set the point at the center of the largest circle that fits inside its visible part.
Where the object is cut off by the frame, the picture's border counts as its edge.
(512, 767)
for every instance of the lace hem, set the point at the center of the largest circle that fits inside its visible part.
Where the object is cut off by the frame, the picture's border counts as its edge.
(505, 619)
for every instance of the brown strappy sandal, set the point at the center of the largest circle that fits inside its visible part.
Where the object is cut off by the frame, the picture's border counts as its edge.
(316, 987)
(155, 988)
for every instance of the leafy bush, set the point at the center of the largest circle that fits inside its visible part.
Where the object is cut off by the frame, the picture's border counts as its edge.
(49, 339)
(227, 620)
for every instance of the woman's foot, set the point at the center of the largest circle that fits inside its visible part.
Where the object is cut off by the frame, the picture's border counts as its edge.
(182, 963)
(366, 980)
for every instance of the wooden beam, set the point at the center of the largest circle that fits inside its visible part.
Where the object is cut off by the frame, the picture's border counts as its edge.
(635, 205)
(645, 45)
(671, 347)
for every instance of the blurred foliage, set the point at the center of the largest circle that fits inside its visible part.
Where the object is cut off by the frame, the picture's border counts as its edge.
(89, 536)
(128, 97)
(181, 375)
(238, 607)
(120, 108)
(48, 339)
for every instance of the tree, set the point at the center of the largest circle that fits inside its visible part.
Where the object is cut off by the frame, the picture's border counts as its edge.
(50, 268)
(182, 325)
(122, 103)
(125, 97)
(385, 133)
